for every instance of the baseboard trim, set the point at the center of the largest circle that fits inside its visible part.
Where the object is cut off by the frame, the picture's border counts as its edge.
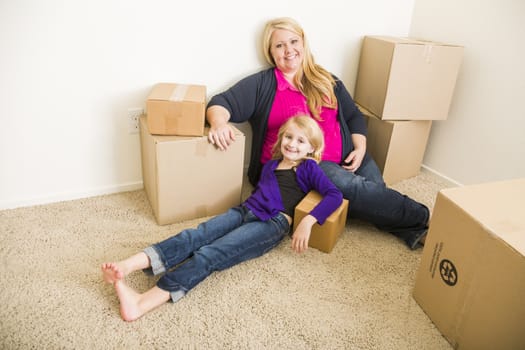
(67, 196)
(452, 182)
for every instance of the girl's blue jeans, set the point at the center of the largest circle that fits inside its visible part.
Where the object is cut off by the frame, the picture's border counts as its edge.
(370, 200)
(225, 240)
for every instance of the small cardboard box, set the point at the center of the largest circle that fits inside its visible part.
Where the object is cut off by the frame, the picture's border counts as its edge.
(323, 237)
(398, 147)
(471, 281)
(176, 109)
(187, 177)
(407, 79)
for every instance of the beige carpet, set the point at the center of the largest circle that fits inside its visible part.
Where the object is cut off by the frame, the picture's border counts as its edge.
(53, 297)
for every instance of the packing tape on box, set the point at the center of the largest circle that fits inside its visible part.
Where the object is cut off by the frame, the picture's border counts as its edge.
(179, 93)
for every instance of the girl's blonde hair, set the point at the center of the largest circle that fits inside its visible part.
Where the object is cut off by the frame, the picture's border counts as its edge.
(316, 83)
(312, 131)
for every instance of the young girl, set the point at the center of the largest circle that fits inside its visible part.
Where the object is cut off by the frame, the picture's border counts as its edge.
(242, 233)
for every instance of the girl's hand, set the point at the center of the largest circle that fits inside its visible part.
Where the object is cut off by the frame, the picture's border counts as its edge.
(301, 236)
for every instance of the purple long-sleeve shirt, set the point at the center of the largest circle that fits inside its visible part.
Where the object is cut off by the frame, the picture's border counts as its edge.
(266, 202)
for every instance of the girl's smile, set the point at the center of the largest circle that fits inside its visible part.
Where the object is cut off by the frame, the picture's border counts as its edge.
(295, 145)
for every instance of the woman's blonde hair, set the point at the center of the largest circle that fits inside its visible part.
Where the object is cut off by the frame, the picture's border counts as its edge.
(316, 83)
(313, 133)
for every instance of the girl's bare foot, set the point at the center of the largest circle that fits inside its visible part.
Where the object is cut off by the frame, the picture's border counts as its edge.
(133, 305)
(129, 301)
(112, 272)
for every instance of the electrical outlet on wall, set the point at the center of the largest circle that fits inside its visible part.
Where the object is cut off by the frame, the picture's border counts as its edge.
(133, 119)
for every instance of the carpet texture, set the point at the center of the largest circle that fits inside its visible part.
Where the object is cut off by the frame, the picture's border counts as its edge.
(357, 297)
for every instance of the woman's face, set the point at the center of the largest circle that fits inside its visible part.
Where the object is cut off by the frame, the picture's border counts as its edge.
(287, 50)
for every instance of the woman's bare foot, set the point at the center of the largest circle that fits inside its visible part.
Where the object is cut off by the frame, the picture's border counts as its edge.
(134, 305)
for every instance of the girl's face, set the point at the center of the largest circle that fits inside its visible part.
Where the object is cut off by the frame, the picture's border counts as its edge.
(294, 144)
(287, 50)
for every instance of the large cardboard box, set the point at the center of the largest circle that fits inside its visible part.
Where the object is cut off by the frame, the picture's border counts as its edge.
(176, 109)
(398, 147)
(322, 237)
(187, 177)
(407, 79)
(471, 281)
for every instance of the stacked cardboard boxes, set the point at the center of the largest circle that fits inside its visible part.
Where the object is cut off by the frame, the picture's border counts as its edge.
(471, 280)
(186, 177)
(402, 86)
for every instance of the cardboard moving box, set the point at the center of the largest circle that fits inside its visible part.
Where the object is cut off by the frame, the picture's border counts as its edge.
(407, 79)
(471, 281)
(398, 147)
(323, 237)
(187, 177)
(176, 109)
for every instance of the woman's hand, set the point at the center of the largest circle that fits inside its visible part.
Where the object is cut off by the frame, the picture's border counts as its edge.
(221, 133)
(353, 161)
(221, 136)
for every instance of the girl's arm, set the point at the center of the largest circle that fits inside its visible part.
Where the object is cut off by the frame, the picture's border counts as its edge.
(311, 177)
(301, 235)
(318, 181)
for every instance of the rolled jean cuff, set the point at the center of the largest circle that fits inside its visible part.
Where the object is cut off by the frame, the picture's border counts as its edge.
(155, 262)
(177, 295)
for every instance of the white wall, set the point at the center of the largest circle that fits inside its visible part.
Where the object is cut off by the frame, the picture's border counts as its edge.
(69, 70)
(483, 138)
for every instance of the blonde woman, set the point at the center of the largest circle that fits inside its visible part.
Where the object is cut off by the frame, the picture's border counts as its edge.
(296, 84)
(242, 233)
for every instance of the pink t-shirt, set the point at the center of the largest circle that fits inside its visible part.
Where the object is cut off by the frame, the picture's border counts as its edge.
(290, 102)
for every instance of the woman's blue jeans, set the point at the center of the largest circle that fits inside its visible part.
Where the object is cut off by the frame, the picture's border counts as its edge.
(372, 201)
(221, 242)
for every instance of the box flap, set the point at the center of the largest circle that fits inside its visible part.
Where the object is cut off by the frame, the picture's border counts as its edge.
(410, 41)
(498, 206)
(178, 92)
(169, 138)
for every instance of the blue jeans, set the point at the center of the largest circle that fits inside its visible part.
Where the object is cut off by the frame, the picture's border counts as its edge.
(221, 242)
(372, 201)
